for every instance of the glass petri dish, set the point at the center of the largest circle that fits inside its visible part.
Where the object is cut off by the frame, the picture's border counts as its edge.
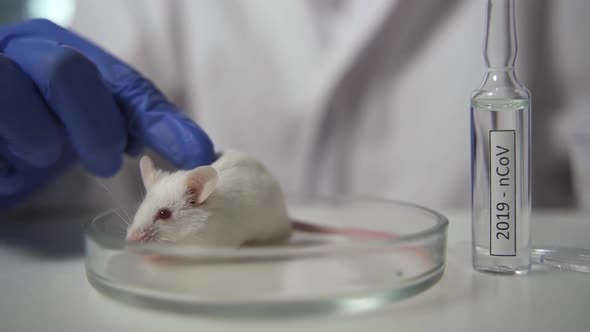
(312, 274)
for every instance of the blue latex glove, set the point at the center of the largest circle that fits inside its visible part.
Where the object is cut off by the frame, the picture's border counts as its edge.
(64, 99)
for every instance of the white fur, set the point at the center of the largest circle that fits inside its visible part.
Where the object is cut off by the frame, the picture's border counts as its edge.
(246, 206)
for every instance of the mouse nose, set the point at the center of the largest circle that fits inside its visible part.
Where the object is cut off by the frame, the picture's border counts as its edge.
(141, 235)
(134, 236)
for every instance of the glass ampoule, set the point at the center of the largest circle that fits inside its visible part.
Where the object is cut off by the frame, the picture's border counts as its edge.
(500, 153)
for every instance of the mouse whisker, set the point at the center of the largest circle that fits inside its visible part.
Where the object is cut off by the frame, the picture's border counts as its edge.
(129, 220)
(111, 195)
(120, 216)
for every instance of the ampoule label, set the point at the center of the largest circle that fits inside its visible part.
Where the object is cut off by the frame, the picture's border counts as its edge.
(503, 193)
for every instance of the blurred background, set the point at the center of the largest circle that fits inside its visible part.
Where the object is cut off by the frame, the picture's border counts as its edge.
(59, 11)
(553, 62)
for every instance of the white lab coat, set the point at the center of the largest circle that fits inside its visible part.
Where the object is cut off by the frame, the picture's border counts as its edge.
(344, 97)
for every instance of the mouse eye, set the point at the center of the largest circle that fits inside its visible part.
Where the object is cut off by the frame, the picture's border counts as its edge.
(163, 214)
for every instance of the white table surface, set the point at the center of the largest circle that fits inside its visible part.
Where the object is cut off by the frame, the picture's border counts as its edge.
(43, 287)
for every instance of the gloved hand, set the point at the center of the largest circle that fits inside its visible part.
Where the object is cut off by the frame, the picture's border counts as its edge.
(63, 99)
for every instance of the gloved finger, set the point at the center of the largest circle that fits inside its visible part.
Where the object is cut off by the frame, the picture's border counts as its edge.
(27, 127)
(137, 97)
(76, 93)
(158, 123)
(175, 137)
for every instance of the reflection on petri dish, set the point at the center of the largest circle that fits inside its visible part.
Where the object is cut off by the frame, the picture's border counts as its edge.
(312, 274)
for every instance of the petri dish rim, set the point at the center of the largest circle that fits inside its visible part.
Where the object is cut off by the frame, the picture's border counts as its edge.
(273, 251)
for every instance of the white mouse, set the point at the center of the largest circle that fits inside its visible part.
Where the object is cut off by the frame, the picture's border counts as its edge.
(233, 202)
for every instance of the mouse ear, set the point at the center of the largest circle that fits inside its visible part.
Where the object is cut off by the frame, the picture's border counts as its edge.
(149, 172)
(201, 183)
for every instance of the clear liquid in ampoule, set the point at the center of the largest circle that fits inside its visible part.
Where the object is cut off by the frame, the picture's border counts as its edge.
(501, 201)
